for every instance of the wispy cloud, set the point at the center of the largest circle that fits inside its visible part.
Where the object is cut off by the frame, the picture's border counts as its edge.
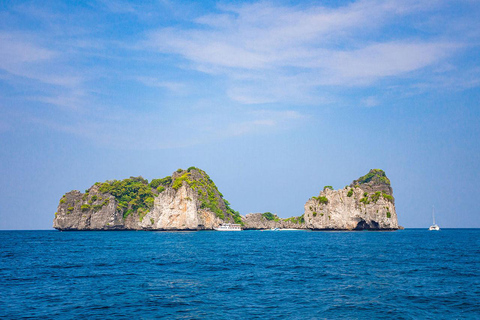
(296, 50)
(220, 67)
(153, 131)
(22, 57)
(73, 100)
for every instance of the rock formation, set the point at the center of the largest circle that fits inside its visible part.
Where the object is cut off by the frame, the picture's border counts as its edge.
(188, 200)
(367, 203)
(267, 220)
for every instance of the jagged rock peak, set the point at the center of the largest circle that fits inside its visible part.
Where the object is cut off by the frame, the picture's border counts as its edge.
(374, 180)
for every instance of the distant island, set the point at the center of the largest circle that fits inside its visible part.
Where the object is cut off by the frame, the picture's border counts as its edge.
(190, 200)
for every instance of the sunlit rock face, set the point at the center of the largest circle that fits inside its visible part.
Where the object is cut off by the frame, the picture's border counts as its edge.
(367, 203)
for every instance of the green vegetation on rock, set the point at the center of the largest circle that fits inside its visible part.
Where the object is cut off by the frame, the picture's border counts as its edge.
(350, 193)
(270, 216)
(328, 187)
(142, 213)
(131, 194)
(377, 175)
(365, 200)
(179, 181)
(387, 197)
(321, 200)
(296, 220)
(158, 183)
(376, 196)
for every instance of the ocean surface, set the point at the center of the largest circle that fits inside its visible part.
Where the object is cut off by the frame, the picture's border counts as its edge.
(409, 274)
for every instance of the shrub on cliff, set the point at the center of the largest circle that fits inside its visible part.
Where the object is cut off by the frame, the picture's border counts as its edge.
(155, 183)
(375, 196)
(321, 200)
(387, 197)
(269, 216)
(296, 220)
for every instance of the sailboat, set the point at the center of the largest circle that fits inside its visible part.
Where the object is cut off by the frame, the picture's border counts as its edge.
(434, 227)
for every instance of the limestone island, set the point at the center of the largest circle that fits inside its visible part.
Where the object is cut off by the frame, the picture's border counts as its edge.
(190, 200)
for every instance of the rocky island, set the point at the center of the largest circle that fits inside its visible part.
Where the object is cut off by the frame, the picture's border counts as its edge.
(367, 203)
(190, 200)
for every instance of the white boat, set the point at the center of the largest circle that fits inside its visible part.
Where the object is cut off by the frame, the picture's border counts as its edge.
(434, 226)
(229, 227)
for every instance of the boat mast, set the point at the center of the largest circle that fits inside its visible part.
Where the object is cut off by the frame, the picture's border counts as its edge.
(433, 214)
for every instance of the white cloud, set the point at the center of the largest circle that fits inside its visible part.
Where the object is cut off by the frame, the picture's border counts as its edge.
(296, 50)
(73, 100)
(14, 51)
(22, 57)
(383, 60)
(254, 54)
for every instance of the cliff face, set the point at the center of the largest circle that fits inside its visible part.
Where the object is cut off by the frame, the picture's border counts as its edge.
(367, 203)
(188, 200)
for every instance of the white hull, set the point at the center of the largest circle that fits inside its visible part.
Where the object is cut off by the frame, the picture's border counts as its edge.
(228, 227)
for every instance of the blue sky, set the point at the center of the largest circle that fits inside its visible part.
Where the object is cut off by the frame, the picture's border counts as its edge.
(273, 99)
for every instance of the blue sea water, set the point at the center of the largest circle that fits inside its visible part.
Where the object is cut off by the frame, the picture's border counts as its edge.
(407, 274)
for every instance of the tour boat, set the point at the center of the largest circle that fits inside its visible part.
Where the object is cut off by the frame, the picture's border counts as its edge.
(434, 227)
(229, 227)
